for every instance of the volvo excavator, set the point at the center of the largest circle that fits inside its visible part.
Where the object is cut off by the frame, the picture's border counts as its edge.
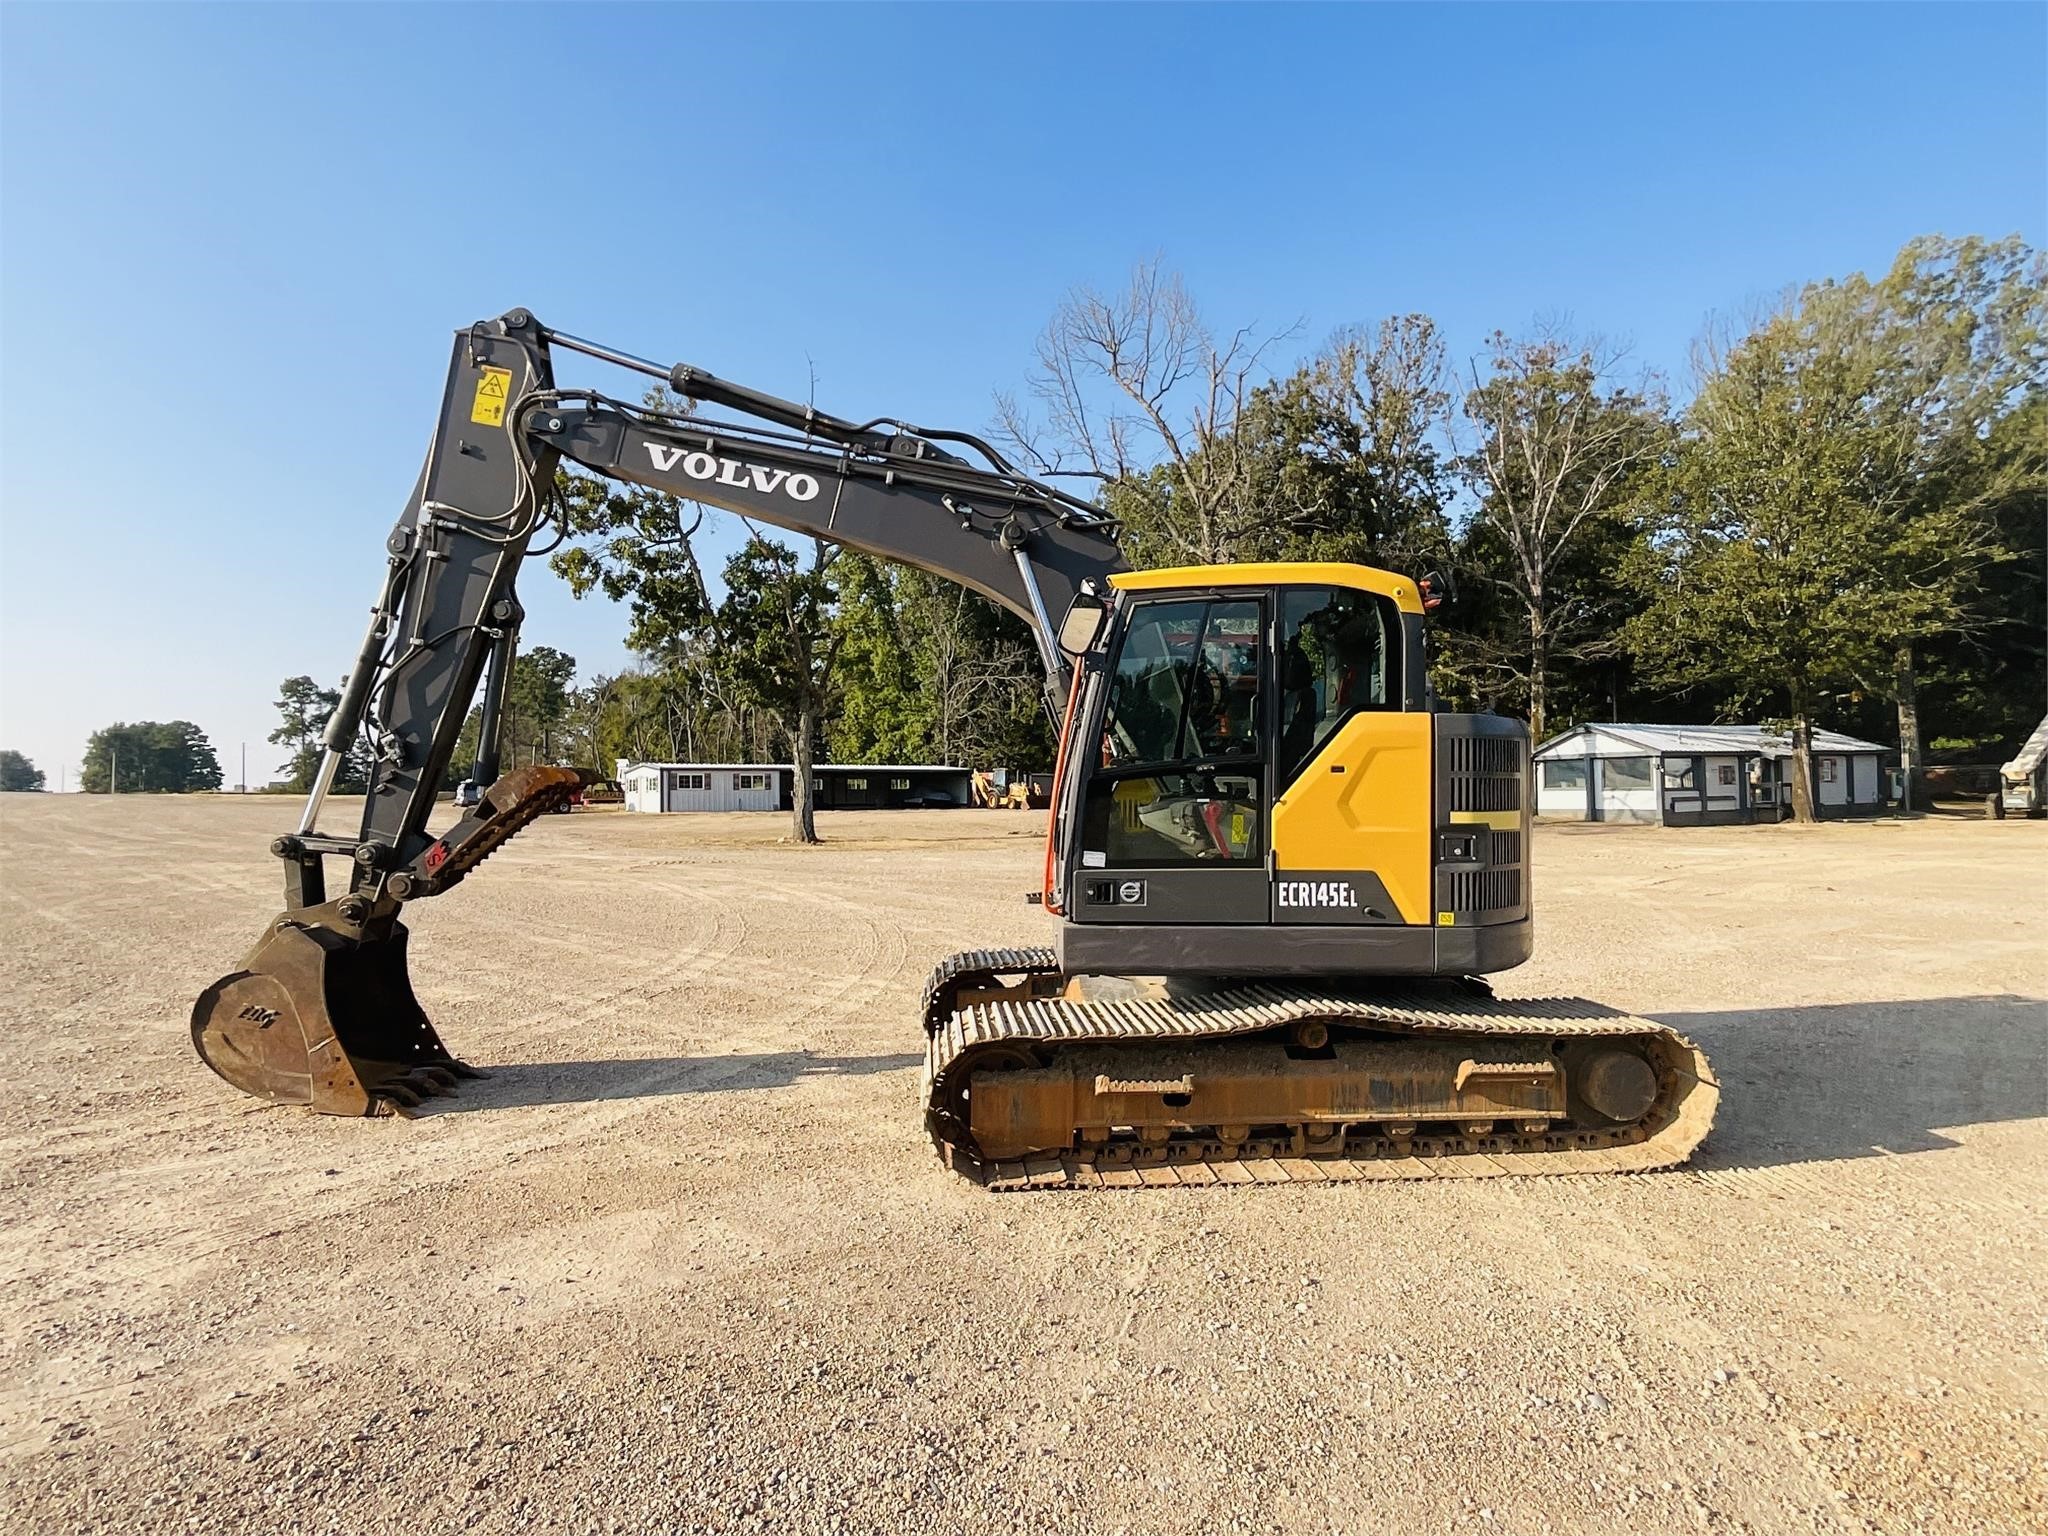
(1280, 872)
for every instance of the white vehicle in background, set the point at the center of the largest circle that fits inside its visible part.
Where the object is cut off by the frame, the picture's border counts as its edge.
(2023, 782)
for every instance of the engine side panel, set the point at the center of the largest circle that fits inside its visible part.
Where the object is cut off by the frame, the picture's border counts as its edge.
(1363, 804)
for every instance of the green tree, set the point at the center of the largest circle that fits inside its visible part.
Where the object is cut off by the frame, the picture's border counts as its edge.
(304, 708)
(1945, 348)
(636, 547)
(1981, 684)
(536, 706)
(1839, 497)
(171, 757)
(930, 672)
(1558, 449)
(1771, 575)
(884, 713)
(1343, 458)
(17, 772)
(781, 646)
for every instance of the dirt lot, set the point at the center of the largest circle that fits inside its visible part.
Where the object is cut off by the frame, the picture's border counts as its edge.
(685, 1261)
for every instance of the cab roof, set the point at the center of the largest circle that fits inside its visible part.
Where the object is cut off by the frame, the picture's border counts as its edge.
(1276, 573)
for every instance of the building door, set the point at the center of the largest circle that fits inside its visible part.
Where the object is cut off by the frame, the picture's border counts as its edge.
(1682, 782)
(1721, 790)
(1627, 789)
(1863, 781)
(1766, 789)
(1832, 771)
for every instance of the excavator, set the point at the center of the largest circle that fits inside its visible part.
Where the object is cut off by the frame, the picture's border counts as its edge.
(1280, 871)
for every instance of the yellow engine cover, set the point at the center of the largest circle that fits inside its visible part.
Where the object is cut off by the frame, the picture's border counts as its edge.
(1363, 804)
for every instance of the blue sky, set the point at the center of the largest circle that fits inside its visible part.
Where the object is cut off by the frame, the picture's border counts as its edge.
(233, 240)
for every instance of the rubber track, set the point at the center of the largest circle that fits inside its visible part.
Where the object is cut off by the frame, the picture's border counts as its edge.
(977, 967)
(1675, 1125)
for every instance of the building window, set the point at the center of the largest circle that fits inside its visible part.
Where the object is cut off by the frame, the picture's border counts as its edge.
(693, 781)
(1725, 774)
(1827, 770)
(899, 783)
(750, 781)
(856, 783)
(1626, 773)
(1565, 775)
(1678, 778)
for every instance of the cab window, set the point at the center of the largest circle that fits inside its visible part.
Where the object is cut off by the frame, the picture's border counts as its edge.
(1186, 684)
(1179, 768)
(1338, 656)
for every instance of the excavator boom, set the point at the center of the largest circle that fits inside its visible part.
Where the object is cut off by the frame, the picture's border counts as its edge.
(321, 1012)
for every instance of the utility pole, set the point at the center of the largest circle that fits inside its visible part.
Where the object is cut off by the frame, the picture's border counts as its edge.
(114, 771)
(245, 767)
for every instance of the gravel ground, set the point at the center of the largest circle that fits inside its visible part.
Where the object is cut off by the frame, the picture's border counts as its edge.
(685, 1262)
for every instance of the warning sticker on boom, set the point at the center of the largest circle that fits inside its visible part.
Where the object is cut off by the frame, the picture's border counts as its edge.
(491, 392)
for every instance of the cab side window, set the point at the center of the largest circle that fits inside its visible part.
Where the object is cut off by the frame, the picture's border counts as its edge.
(1339, 654)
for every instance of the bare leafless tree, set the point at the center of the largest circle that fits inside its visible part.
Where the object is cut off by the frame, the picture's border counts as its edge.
(1133, 388)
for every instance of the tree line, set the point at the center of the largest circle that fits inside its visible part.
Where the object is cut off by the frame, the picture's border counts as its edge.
(1842, 523)
(1844, 520)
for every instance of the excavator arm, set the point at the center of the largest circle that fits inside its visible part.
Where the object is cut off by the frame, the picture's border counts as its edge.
(322, 1011)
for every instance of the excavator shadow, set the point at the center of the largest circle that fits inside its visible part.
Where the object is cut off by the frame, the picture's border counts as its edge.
(1848, 1080)
(524, 1084)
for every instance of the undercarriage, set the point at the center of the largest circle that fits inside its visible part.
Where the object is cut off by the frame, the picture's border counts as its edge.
(1036, 1079)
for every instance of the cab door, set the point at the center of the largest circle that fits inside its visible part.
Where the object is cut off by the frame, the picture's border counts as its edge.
(1352, 769)
(1174, 810)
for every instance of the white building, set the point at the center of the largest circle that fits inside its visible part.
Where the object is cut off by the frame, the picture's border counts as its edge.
(767, 786)
(1698, 775)
(703, 786)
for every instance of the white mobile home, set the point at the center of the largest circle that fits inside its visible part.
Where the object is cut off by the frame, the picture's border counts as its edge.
(1700, 775)
(767, 786)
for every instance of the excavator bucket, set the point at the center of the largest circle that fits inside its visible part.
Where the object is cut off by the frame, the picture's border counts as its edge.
(322, 1012)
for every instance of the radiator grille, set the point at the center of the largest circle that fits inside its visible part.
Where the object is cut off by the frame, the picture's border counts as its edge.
(1485, 754)
(1486, 773)
(1507, 848)
(1485, 890)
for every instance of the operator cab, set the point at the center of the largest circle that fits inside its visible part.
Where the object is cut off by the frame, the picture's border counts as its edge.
(1252, 773)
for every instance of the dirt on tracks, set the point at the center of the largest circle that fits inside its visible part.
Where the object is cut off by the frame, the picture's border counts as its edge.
(685, 1262)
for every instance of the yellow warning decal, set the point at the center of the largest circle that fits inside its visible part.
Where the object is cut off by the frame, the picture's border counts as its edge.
(1500, 821)
(1445, 919)
(491, 392)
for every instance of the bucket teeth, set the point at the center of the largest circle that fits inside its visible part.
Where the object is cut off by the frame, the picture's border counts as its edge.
(400, 1094)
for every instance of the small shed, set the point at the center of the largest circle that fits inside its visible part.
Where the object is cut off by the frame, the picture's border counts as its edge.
(1700, 775)
(704, 786)
(661, 787)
